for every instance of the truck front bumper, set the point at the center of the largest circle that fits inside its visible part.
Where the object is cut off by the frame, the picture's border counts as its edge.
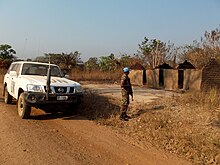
(41, 98)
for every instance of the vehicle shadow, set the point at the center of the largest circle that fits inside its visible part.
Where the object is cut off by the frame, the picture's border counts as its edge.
(52, 116)
(54, 112)
(96, 106)
(3, 100)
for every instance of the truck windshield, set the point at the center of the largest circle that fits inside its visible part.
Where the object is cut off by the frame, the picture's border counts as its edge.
(41, 70)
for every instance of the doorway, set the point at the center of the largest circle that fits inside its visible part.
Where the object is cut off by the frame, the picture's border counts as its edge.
(161, 78)
(180, 79)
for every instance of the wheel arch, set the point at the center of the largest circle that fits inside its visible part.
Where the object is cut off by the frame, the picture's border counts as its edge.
(20, 90)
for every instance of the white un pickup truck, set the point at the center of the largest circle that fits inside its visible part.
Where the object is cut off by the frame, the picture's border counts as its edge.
(40, 85)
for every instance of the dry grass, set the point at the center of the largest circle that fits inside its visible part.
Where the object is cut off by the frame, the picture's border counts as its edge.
(190, 125)
(110, 76)
(187, 125)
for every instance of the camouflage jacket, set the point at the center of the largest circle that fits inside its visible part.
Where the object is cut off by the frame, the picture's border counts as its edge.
(126, 85)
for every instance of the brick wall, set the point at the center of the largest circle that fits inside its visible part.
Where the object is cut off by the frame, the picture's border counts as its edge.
(211, 75)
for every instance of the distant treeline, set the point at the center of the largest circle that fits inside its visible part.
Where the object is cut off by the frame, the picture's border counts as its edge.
(150, 54)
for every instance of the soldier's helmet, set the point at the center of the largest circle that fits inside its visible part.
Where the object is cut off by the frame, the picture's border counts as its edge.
(126, 69)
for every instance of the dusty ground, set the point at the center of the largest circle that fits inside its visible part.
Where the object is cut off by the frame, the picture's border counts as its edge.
(141, 94)
(59, 139)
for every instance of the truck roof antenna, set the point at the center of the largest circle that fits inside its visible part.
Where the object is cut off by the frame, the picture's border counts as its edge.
(48, 81)
(49, 61)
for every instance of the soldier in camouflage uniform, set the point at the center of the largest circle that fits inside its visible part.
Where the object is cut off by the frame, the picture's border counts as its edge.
(126, 90)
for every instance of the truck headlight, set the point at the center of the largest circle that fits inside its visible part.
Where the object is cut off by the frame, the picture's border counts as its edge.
(34, 88)
(78, 89)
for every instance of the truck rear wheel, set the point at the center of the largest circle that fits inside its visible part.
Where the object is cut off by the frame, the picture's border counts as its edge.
(8, 97)
(24, 110)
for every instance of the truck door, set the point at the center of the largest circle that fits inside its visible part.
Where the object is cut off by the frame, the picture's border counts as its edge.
(13, 75)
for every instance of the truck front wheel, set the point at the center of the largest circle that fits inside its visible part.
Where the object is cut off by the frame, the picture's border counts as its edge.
(24, 110)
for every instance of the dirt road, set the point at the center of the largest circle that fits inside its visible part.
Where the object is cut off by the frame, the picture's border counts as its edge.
(59, 139)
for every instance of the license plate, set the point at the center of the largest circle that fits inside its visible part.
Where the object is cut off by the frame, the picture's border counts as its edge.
(62, 97)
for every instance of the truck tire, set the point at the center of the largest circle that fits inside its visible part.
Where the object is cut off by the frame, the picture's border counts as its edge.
(24, 110)
(8, 97)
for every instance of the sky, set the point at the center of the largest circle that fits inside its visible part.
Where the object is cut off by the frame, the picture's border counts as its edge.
(100, 27)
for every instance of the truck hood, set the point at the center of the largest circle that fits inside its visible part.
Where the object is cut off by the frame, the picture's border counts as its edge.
(55, 81)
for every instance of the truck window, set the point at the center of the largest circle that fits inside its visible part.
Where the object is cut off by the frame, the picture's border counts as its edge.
(40, 69)
(14, 67)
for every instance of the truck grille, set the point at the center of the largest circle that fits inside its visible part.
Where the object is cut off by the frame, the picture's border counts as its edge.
(71, 90)
(61, 89)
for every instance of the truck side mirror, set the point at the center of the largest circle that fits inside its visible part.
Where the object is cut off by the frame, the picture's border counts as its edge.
(67, 76)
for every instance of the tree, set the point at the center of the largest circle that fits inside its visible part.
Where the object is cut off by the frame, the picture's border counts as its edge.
(172, 54)
(6, 52)
(211, 43)
(200, 53)
(41, 59)
(70, 60)
(108, 62)
(92, 63)
(125, 60)
(152, 52)
(65, 61)
(6, 55)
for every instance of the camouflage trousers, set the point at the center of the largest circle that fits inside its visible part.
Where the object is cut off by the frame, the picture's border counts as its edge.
(124, 102)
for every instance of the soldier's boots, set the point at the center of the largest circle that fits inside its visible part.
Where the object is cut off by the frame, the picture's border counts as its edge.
(124, 116)
(128, 117)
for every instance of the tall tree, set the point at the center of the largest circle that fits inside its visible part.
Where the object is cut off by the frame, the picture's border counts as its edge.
(200, 53)
(65, 61)
(70, 60)
(152, 52)
(211, 42)
(172, 54)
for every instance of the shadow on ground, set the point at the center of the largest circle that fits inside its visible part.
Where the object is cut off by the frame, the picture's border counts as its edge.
(94, 106)
(52, 116)
(97, 106)
(148, 109)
